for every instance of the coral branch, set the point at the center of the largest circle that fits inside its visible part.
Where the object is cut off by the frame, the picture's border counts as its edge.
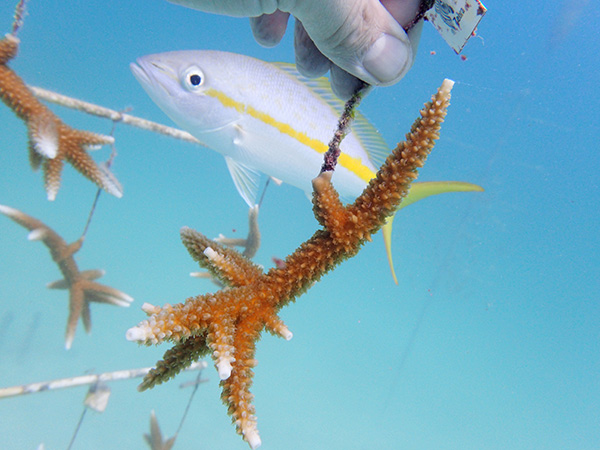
(180, 357)
(251, 243)
(223, 263)
(51, 142)
(83, 289)
(229, 323)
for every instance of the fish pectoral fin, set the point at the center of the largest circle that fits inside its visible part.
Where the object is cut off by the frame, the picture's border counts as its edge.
(246, 180)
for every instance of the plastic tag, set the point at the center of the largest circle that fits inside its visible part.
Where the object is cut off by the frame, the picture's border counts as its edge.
(456, 20)
(97, 397)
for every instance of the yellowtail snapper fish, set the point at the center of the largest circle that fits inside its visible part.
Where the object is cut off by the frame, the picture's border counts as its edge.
(266, 118)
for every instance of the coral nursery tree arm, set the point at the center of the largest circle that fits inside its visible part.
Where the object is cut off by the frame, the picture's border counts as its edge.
(227, 324)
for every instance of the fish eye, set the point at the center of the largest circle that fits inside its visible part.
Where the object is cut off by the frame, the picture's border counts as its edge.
(193, 78)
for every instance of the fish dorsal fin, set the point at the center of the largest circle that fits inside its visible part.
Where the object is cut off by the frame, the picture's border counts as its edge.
(246, 180)
(373, 143)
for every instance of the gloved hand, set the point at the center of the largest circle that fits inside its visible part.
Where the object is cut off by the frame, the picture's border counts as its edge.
(351, 38)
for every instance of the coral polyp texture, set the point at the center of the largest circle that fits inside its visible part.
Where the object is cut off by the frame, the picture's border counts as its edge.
(51, 142)
(227, 324)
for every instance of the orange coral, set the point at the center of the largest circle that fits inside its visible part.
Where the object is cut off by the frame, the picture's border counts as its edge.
(251, 244)
(51, 142)
(228, 323)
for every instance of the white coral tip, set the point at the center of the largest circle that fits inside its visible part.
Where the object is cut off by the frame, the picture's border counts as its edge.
(210, 253)
(136, 334)
(148, 308)
(109, 182)
(107, 139)
(12, 37)
(200, 275)
(52, 190)
(44, 137)
(8, 211)
(37, 235)
(252, 437)
(447, 86)
(224, 368)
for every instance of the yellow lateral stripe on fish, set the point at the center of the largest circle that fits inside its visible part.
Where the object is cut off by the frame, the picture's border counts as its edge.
(355, 165)
(267, 118)
(263, 118)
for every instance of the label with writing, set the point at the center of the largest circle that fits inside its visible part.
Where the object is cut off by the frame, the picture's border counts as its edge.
(456, 20)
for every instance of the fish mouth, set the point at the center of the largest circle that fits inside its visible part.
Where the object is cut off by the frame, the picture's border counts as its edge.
(151, 74)
(139, 73)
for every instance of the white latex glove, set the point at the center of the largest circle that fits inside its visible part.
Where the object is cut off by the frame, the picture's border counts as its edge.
(351, 38)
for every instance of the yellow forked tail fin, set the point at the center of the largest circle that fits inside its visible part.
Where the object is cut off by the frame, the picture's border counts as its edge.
(419, 191)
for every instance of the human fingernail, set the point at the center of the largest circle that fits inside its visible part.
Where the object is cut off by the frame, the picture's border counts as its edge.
(388, 59)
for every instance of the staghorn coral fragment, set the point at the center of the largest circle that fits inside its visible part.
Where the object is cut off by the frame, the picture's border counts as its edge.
(250, 244)
(228, 323)
(155, 439)
(224, 264)
(51, 142)
(82, 288)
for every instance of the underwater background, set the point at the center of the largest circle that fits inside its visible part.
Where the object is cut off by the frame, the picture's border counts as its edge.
(491, 340)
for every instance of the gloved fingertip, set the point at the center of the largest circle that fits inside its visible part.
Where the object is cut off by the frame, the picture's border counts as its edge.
(388, 59)
(268, 29)
(343, 84)
(312, 65)
(310, 62)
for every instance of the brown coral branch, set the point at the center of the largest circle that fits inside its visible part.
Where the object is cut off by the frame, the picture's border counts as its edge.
(251, 243)
(181, 356)
(229, 322)
(83, 289)
(223, 263)
(51, 142)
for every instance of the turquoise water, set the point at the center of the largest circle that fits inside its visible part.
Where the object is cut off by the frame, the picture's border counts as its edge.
(491, 339)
